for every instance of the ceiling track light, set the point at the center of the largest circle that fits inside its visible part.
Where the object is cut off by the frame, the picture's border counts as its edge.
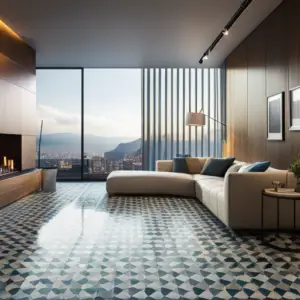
(225, 31)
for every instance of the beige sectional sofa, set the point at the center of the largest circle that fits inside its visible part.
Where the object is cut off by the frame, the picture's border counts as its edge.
(234, 199)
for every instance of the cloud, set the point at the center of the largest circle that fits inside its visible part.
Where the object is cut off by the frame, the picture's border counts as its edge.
(57, 121)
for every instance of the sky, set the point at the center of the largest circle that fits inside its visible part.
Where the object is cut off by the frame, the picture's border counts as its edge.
(112, 101)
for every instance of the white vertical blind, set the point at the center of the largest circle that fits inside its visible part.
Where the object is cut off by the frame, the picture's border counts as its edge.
(168, 94)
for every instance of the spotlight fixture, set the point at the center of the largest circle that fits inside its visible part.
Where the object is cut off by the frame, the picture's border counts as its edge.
(225, 31)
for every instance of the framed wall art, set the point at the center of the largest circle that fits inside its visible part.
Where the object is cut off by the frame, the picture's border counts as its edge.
(295, 109)
(276, 117)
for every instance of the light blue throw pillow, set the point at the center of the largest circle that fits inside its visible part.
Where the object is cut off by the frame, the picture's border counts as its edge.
(260, 166)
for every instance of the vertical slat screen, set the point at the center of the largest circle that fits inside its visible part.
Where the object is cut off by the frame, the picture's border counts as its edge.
(168, 94)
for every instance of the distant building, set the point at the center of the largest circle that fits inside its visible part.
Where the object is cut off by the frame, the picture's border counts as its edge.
(137, 166)
(96, 164)
(127, 165)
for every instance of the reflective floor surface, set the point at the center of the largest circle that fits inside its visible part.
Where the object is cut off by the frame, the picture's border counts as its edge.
(78, 244)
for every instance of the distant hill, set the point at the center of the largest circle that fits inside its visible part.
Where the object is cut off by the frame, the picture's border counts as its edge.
(69, 142)
(123, 149)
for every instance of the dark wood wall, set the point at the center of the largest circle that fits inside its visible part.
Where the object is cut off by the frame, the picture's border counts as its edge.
(266, 63)
(18, 93)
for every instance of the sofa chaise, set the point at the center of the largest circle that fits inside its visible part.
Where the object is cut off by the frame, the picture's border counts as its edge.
(235, 198)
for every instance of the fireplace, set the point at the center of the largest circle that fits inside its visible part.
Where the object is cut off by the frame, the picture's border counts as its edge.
(10, 154)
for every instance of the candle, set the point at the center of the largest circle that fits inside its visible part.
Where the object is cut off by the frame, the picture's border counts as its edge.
(4, 161)
(8, 163)
(12, 164)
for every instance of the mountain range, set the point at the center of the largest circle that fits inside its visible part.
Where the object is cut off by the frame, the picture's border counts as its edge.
(131, 148)
(69, 142)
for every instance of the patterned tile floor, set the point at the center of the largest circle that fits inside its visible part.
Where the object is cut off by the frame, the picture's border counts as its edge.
(77, 244)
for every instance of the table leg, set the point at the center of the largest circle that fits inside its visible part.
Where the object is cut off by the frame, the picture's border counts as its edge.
(294, 214)
(262, 211)
(278, 216)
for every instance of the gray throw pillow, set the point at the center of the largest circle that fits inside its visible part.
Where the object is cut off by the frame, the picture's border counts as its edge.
(233, 169)
(217, 166)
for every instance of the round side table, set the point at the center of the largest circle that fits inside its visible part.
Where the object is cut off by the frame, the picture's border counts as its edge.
(271, 193)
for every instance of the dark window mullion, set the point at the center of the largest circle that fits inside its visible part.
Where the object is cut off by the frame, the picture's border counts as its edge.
(190, 109)
(82, 123)
(202, 107)
(196, 110)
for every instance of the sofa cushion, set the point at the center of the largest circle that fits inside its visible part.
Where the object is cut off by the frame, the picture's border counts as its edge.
(195, 164)
(164, 166)
(198, 177)
(209, 192)
(217, 166)
(150, 183)
(205, 164)
(243, 167)
(260, 166)
(180, 165)
(232, 169)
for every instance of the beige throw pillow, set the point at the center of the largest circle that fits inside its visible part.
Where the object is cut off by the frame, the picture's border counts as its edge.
(195, 164)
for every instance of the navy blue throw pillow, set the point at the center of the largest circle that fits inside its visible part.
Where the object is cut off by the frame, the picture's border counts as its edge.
(180, 165)
(182, 155)
(218, 166)
(260, 166)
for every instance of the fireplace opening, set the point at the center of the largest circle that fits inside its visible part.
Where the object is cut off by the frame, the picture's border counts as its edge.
(10, 154)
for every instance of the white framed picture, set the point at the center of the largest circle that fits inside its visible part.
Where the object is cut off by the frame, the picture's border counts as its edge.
(276, 117)
(295, 109)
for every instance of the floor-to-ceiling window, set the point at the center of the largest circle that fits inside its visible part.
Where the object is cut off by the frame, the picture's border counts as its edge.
(100, 120)
(59, 106)
(112, 121)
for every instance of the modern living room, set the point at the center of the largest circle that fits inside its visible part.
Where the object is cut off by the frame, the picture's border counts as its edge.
(149, 149)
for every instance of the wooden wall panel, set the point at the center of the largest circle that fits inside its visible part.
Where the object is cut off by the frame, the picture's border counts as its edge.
(18, 93)
(256, 102)
(11, 72)
(16, 49)
(28, 152)
(293, 56)
(276, 77)
(237, 103)
(270, 57)
(17, 110)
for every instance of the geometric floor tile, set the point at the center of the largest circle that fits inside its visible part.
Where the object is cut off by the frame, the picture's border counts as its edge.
(79, 244)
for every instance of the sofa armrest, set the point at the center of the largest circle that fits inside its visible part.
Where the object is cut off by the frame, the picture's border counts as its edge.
(243, 197)
(164, 166)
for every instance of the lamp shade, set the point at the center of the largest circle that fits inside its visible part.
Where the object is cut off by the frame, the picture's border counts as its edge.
(195, 119)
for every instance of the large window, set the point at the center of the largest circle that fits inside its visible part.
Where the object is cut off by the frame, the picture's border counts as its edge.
(108, 112)
(112, 121)
(59, 106)
(100, 120)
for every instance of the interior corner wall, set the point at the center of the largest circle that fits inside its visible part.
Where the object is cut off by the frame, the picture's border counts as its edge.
(267, 62)
(18, 94)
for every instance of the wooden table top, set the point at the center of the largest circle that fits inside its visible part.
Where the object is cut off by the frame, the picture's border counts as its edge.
(288, 194)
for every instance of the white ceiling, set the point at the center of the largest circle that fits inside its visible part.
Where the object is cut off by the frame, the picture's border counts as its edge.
(130, 33)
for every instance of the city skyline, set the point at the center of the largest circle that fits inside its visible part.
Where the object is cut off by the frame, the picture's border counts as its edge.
(112, 115)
